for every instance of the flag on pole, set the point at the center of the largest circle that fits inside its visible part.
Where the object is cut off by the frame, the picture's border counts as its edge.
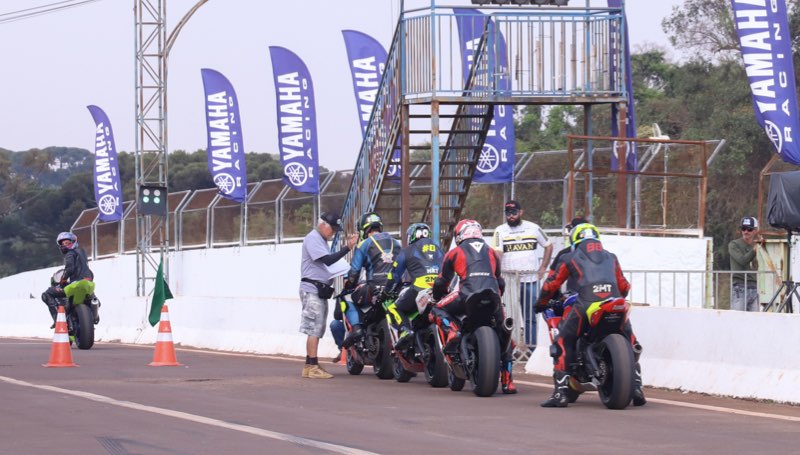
(161, 294)
(107, 185)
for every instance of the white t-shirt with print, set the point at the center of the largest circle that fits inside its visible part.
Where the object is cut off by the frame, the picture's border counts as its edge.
(522, 247)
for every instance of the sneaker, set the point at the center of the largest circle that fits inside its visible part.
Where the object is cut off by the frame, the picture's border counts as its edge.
(316, 372)
(306, 369)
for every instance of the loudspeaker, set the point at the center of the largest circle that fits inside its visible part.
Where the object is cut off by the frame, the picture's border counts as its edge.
(783, 202)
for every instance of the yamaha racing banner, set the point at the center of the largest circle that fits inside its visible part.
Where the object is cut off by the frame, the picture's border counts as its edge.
(297, 124)
(614, 56)
(367, 60)
(226, 160)
(767, 53)
(496, 163)
(107, 186)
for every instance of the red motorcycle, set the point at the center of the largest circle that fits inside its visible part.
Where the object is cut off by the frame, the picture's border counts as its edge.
(604, 356)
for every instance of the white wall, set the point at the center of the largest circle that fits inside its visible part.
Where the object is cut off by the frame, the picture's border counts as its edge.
(246, 300)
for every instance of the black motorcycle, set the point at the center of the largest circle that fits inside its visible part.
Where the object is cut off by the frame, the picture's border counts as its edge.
(476, 356)
(375, 347)
(425, 353)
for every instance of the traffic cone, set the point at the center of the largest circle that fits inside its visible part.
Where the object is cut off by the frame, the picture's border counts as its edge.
(60, 353)
(343, 358)
(164, 355)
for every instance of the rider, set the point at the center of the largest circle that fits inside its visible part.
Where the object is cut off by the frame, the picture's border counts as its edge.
(478, 268)
(375, 254)
(420, 260)
(76, 281)
(597, 276)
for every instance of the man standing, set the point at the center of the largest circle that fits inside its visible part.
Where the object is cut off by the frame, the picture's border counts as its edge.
(744, 293)
(316, 286)
(518, 241)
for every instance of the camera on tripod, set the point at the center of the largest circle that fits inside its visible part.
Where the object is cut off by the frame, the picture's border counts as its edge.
(784, 213)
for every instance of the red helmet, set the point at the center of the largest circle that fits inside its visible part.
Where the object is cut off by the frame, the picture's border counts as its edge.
(468, 229)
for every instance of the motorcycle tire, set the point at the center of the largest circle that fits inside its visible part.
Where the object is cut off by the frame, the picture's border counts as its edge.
(84, 332)
(383, 367)
(485, 352)
(400, 373)
(436, 367)
(454, 382)
(616, 389)
(353, 366)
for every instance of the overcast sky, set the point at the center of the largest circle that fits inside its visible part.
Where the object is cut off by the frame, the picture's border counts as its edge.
(54, 65)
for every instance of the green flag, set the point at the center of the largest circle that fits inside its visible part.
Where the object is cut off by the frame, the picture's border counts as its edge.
(161, 293)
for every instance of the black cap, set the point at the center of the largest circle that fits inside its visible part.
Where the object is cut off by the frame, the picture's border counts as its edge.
(332, 219)
(749, 222)
(512, 205)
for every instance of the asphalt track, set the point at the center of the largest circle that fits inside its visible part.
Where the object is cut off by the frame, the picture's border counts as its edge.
(113, 403)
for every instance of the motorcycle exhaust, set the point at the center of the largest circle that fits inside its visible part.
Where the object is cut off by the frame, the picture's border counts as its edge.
(637, 351)
(508, 324)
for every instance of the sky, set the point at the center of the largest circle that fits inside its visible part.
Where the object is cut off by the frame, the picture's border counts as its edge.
(54, 65)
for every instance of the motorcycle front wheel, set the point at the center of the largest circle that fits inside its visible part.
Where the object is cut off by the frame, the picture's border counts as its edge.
(383, 365)
(616, 364)
(353, 366)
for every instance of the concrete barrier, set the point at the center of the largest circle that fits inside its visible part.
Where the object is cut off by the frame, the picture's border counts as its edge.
(246, 300)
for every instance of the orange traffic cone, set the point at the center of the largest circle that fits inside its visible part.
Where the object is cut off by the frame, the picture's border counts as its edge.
(165, 350)
(343, 358)
(60, 353)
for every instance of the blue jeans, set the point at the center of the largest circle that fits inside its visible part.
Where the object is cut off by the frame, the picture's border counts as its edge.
(337, 330)
(744, 299)
(528, 295)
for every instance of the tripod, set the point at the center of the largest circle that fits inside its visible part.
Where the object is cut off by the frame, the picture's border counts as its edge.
(789, 287)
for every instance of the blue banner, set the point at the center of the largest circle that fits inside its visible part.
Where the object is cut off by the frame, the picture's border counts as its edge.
(226, 159)
(107, 186)
(766, 47)
(630, 124)
(496, 163)
(297, 120)
(367, 60)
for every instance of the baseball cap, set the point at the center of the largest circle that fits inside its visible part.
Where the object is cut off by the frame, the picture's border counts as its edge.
(576, 221)
(749, 222)
(512, 205)
(332, 219)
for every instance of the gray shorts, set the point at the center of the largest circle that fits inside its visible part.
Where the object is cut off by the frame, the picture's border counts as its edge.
(314, 314)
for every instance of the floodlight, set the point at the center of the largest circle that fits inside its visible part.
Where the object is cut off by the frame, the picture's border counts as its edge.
(520, 2)
(501, 2)
(559, 2)
(480, 2)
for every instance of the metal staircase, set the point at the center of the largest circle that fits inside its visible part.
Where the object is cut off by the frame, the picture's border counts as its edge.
(440, 122)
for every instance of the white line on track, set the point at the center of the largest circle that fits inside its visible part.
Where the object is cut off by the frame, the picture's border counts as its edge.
(196, 418)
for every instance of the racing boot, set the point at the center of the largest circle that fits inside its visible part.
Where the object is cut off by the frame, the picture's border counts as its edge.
(354, 336)
(638, 393)
(559, 398)
(51, 305)
(507, 380)
(405, 338)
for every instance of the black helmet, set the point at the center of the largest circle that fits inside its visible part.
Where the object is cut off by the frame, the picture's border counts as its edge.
(417, 231)
(370, 221)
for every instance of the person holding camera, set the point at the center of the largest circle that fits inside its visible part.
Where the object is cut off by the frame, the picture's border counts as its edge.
(742, 251)
(316, 286)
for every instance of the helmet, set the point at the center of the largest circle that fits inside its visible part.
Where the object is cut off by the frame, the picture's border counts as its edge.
(418, 231)
(468, 229)
(582, 232)
(67, 236)
(369, 222)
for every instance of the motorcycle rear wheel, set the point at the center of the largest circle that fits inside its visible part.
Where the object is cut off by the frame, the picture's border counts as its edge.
(435, 367)
(400, 373)
(616, 390)
(383, 365)
(84, 332)
(485, 372)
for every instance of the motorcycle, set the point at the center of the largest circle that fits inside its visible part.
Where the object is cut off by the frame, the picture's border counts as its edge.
(375, 347)
(425, 353)
(81, 316)
(476, 356)
(604, 356)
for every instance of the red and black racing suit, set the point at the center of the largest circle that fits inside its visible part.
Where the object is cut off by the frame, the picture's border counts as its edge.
(596, 275)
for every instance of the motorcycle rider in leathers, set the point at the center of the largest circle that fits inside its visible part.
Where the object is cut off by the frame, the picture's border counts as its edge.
(596, 275)
(76, 270)
(375, 254)
(420, 261)
(478, 268)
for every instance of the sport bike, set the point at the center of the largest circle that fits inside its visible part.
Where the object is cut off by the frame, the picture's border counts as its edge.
(81, 315)
(375, 347)
(604, 356)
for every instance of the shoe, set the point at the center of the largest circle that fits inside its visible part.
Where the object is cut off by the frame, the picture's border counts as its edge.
(638, 392)
(453, 340)
(337, 357)
(405, 339)
(316, 372)
(559, 398)
(507, 382)
(306, 369)
(355, 335)
(53, 326)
